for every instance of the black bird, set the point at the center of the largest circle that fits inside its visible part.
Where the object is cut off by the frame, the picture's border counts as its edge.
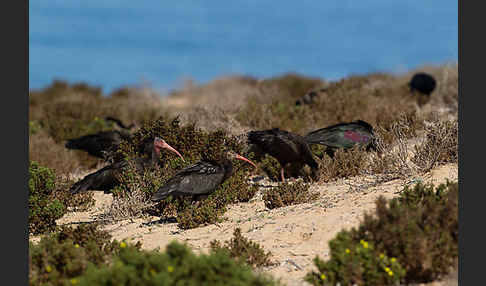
(423, 83)
(107, 177)
(102, 143)
(288, 148)
(120, 123)
(308, 98)
(344, 135)
(199, 179)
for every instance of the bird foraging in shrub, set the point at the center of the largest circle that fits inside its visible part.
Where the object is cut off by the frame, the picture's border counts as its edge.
(287, 147)
(107, 177)
(344, 135)
(199, 179)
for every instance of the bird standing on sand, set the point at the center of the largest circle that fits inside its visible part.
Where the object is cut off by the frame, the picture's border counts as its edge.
(344, 135)
(288, 148)
(107, 178)
(199, 179)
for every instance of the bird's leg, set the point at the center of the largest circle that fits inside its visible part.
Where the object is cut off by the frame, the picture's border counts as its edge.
(282, 174)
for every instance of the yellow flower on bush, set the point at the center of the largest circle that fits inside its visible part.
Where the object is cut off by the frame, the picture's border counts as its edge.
(152, 271)
(74, 281)
(323, 276)
(364, 243)
(347, 250)
(170, 269)
(48, 269)
(393, 259)
(382, 255)
(76, 245)
(123, 244)
(390, 273)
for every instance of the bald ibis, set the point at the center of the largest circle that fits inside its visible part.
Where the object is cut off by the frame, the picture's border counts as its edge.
(107, 177)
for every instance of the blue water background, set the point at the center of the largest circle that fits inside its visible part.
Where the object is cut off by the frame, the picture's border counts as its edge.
(115, 43)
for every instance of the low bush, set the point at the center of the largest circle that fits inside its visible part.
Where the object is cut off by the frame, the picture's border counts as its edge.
(354, 263)
(289, 193)
(49, 199)
(178, 265)
(243, 249)
(418, 230)
(43, 211)
(65, 254)
(346, 163)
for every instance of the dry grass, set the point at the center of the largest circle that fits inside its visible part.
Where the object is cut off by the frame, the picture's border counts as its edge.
(439, 146)
(128, 206)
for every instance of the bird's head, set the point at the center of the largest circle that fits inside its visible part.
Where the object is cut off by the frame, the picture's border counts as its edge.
(160, 143)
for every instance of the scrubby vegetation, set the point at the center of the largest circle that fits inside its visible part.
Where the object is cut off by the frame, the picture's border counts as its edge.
(243, 249)
(60, 257)
(87, 256)
(48, 198)
(412, 239)
(289, 193)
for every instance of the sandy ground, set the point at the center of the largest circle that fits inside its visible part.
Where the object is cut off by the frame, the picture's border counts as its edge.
(294, 234)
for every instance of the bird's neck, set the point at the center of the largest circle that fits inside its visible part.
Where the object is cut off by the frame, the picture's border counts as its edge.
(228, 169)
(155, 155)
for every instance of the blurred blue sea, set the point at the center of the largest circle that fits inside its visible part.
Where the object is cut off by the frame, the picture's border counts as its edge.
(115, 43)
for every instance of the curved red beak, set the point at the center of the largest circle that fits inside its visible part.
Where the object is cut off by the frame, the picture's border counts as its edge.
(244, 159)
(160, 143)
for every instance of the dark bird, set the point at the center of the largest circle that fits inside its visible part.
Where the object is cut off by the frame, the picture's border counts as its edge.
(343, 135)
(423, 83)
(102, 143)
(107, 177)
(199, 179)
(120, 123)
(308, 98)
(98, 144)
(288, 148)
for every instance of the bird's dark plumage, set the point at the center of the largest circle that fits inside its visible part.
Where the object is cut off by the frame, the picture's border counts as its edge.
(423, 83)
(102, 143)
(308, 98)
(343, 135)
(199, 179)
(98, 144)
(286, 147)
(107, 177)
(119, 123)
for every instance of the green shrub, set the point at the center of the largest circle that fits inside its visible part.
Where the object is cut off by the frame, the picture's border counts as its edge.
(289, 194)
(419, 230)
(354, 263)
(243, 249)
(67, 253)
(176, 266)
(49, 198)
(43, 210)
